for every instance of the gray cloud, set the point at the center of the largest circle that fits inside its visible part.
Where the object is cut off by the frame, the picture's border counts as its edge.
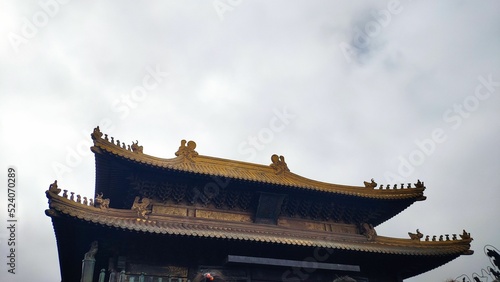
(353, 120)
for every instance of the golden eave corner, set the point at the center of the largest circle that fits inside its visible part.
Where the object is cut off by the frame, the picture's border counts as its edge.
(188, 159)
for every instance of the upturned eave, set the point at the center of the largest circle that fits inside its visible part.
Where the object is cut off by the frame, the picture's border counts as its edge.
(277, 173)
(128, 220)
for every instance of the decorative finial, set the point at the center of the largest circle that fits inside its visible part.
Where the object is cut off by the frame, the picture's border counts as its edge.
(101, 203)
(136, 148)
(371, 184)
(96, 134)
(419, 184)
(465, 235)
(53, 188)
(278, 164)
(187, 151)
(416, 236)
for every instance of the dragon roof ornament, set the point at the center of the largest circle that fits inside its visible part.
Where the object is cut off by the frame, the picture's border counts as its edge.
(278, 164)
(187, 151)
(135, 148)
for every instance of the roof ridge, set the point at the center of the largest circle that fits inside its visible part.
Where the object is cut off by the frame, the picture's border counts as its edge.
(277, 173)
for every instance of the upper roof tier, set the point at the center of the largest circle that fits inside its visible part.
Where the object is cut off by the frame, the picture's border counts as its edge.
(277, 173)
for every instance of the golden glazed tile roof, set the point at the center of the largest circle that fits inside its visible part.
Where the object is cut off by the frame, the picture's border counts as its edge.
(277, 173)
(60, 206)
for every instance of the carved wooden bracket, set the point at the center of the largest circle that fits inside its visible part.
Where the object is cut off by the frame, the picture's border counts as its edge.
(368, 230)
(142, 207)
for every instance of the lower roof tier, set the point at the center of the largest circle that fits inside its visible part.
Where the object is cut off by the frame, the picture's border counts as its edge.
(212, 227)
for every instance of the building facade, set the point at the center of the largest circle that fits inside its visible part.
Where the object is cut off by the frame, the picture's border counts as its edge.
(155, 219)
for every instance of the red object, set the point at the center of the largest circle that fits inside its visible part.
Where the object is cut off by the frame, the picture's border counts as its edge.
(209, 276)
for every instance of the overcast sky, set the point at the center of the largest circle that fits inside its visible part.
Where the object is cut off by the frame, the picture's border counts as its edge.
(345, 90)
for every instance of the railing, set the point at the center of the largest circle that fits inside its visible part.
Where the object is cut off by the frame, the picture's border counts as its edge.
(123, 277)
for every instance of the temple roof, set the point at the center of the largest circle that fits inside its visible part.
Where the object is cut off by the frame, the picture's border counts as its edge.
(213, 228)
(254, 204)
(277, 173)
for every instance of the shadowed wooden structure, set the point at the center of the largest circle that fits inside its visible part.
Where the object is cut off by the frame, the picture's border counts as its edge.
(155, 219)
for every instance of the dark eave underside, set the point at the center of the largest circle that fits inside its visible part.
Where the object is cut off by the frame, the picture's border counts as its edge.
(172, 225)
